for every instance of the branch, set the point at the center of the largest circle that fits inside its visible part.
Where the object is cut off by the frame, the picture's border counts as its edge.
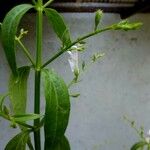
(48, 3)
(122, 25)
(25, 51)
(77, 41)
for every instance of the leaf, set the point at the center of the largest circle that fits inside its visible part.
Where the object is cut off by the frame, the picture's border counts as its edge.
(58, 25)
(57, 108)
(26, 117)
(9, 30)
(18, 90)
(18, 142)
(138, 145)
(63, 144)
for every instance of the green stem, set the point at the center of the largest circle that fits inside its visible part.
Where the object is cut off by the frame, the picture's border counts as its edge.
(37, 140)
(30, 144)
(73, 81)
(26, 52)
(18, 122)
(33, 1)
(77, 41)
(39, 37)
(25, 125)
(39, 25)
(134, 127)
(48, 3)
(148, 147)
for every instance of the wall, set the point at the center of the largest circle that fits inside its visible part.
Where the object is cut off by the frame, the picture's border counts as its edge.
(117, 85)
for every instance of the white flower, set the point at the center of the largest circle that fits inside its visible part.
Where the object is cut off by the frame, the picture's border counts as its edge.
(73, 61)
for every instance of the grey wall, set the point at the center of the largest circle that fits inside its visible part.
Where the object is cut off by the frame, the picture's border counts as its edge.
(117, 85)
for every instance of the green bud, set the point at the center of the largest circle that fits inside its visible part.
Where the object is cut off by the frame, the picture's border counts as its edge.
(76, 74)
(82, 42)
(125, 25)
(13, 125)
(79, 47)
(22, 33)
(83, 65)
(96, 56)
(132, 123)
(5, 110)
(98, 16)
(75, 95)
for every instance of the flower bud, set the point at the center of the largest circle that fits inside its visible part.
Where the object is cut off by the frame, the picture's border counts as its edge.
(96, 56)
(76, 73)
(98, 16)
(125, 25)
(5, 110)
(83, 65)
(75, 95)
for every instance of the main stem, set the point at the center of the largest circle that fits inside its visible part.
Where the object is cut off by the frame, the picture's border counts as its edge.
(39, 25)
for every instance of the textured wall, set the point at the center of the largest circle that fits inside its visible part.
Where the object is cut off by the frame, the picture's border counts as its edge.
(117, 85)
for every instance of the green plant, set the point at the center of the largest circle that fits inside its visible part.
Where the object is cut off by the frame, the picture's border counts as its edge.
(144, 139)
(57, 109)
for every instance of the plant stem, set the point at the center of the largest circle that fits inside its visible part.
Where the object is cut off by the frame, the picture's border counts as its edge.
(33, 1)
(37, 140)
(77, 41)
(26, 52)
(39, 24)
(39, 37)
(18, 122)
(47, 3)
(30, 144)
(25, 125)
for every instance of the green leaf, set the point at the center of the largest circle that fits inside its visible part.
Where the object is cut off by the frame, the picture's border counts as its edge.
(138, 145)
(63, 144)
(18, 90)
(9, 30)
(58, 25)
(18, 142)
(57, 108)
(26, 117)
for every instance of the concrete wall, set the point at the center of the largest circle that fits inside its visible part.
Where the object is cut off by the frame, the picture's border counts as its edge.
(117, 85)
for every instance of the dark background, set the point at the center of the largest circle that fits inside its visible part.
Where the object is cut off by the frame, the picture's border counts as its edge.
(126, 9)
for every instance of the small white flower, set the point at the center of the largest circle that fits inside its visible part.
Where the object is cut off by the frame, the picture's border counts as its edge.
(73, 61)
